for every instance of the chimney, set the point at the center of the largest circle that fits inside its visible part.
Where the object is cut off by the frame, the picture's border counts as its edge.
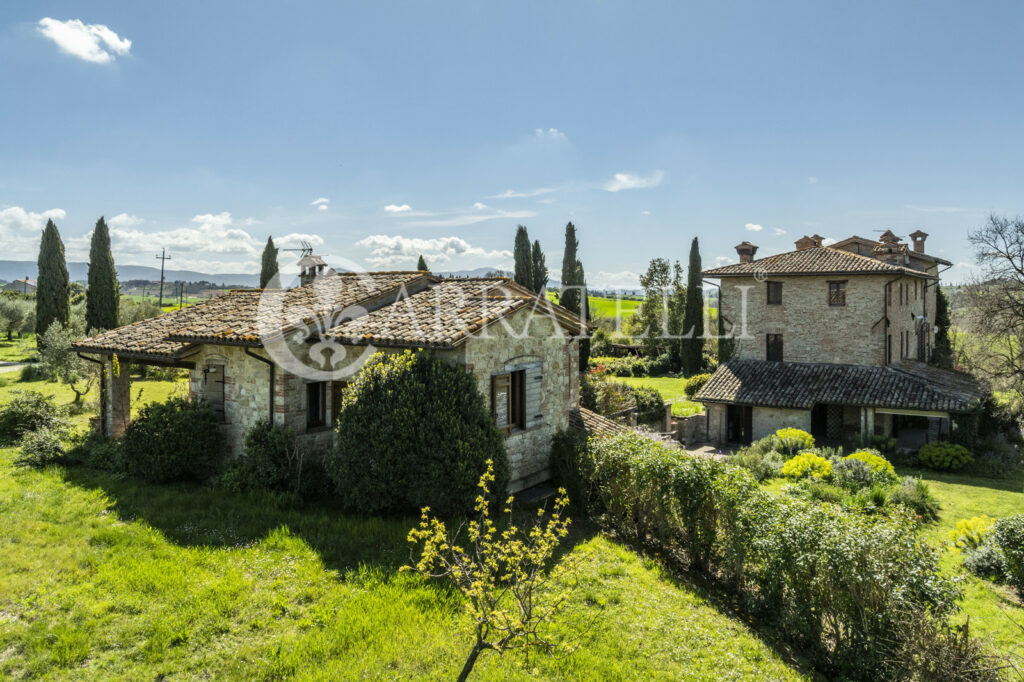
(919, 238)
(310, 268)
(805, 243)
(746, 251)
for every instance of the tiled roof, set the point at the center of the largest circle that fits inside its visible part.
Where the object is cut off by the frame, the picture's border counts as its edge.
(908, 386)
(814, 261)
(593, 424)
(385, 308)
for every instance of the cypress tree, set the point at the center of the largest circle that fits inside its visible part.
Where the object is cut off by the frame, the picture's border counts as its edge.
(269, 266)
(52, 288)
(581, 280)
(569, 297)
(540, 269)
(691, 351)
(942, 355)
(523, 258)
(726, 346)
(103, 297)
(422, 264)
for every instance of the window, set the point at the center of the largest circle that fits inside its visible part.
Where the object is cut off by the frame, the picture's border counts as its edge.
(837, 293)
(774, 293)
(213, 389)
(508, 400)
(337, 392)
(888, 349)
(316, 404)
(773, 350)
(901, 293)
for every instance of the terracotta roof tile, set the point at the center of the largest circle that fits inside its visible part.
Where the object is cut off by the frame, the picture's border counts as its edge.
(593, 424)
(814, 261)
(801, 385)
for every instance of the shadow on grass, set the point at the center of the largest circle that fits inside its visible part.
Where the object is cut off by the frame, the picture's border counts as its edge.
(1011, 482)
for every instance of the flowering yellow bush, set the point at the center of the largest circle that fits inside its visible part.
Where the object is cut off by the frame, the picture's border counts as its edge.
(878, 464)
(807, 464)
(790, 440)
(969, 534)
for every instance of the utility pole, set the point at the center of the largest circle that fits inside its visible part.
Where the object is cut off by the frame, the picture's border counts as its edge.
(162, 258)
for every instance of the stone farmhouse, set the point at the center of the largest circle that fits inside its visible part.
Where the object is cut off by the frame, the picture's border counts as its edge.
(834, 340)
(22, 286)
(288, 354)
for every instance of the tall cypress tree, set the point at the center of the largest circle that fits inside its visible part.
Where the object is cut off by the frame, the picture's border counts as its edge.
(569, 297)
(726, 345)
(103, 297)
(53, 289)
(268, 268)
(942, 355)
(540, 269)
(524, 258)
(581, 279)
(422, 264)
(691, 351)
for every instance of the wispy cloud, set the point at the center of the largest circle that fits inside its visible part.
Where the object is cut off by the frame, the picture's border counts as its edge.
(779, 232)
(626, 279)
(397, 208)
(553, 133)
(812, 180)
(515, 194)
(479, 206)
(936, 209)
(645, 213)
(322, 203)
(394, 250)
(724, 260)
(91, 42)
(753, 227)
(621, 181)
(477, 216)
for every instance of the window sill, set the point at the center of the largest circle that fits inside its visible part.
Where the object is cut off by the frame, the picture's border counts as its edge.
(519, 432)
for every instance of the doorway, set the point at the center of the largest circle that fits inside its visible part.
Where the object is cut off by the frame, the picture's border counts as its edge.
(740, 422)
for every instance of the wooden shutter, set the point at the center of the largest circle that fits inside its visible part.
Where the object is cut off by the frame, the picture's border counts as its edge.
(534, 379)
(500, 390)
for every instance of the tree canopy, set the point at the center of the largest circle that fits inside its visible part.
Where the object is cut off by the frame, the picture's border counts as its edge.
(569, 296)
(103, 297)
(269, 266)
(421, 264)
(523, 256)
(540, 269)
(53, 287)
(691, 350)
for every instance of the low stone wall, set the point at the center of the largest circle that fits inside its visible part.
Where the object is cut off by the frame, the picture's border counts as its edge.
(768, 420)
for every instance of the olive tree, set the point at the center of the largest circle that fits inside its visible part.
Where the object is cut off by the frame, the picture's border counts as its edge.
(61, 360)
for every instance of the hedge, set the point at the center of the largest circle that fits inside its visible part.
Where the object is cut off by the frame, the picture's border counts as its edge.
(839, 585)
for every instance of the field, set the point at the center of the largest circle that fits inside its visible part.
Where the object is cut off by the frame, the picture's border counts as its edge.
(996, 614)
(18, 349)
(106, 578)
(671, 389)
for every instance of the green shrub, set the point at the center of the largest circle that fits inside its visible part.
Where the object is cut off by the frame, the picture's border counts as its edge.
(970, 534)
(871, 500)
(28, 411)
(915, 495)
(694, 384)
(414, 432)
(852, 474)
(1008, 535)
(177, 439)
(42, 447)
(944, 456)
(884, 444)
(792, 441)
(34, 372)
(807, 464)
(273, 462)
(836, 584)
(650, 406)
(987, 561)
(762, 465)
(881, 471)
(824, 492)
(97, 451)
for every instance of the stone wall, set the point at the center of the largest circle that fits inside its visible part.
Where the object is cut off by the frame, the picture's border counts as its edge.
(717, 423)
(768, 420)
(814, 331)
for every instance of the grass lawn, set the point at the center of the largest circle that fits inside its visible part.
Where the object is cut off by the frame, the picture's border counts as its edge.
(18, 349)
(671, 389)
(107, 578)
(992, 608)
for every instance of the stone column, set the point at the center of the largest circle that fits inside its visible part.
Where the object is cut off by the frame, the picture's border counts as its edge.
(119, 409)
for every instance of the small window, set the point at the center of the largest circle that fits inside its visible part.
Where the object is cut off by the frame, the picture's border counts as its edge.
(508, 400)
(773, 351)
(774, 293)
(888, 349)
(837, 293)
(316, 404)
(337, 393)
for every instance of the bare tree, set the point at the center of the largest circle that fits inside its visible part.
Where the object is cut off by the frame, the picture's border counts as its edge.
(995, 304)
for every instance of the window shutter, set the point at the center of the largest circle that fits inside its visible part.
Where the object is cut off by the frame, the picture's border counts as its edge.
(534, 380)
(500, 387)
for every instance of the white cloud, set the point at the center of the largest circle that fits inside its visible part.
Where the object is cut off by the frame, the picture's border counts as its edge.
(458, 219)
(724, 260)
(479, 206)
(124, 220)
(553, 133)
(812, 180)
(396, 208)
(935, 209)
(20, 230)
(626, 279)
(645, 213)
(753, 227)
(390, 251)
(92, 42)
(828, 241)
(779, 232)
(621, 181)
(515, 194)
(321, 204)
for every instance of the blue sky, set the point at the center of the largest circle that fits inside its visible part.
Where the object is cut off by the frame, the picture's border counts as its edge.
(439, 127)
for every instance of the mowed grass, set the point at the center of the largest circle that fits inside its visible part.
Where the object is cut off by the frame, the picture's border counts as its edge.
(996, 613)
(671, 389)
(18, 349)
(106, 578)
